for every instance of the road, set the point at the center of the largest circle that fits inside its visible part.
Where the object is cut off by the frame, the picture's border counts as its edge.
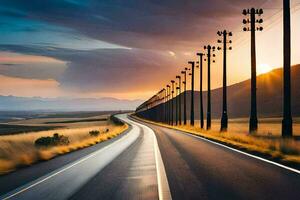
(152, 162)
(199, 169)
(127, 167)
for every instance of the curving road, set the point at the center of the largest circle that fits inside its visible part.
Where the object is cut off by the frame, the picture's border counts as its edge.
(200, 169)
(127, 167)
(152, 162)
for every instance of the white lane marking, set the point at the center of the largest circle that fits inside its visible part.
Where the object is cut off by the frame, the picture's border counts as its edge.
(65, 168)
(162, 180)
(241, 152)
(164, 189)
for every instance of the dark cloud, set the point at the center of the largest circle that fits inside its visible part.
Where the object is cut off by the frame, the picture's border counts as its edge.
(151, 24)
(117, 70)
(150, 27)
(105, 70)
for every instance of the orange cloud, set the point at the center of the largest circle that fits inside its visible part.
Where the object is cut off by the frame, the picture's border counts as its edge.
(50, 88)
(29, 87)
(6, 57)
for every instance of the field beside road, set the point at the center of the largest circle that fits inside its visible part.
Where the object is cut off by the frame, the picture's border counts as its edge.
(19, 149)
(13, 122)
(270, 127)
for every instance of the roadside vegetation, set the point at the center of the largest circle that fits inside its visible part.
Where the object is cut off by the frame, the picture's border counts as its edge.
(27, 148)
(284, 150)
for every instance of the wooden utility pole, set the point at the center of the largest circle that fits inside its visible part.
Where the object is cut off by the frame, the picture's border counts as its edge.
(165, 106)
(208, 115)
(192, 119)
(169, 104)
(224, 41)
(179, 100)
(172, 115)
(177, 105)
(201, 89)
(184, 100)
(253, 21)
(287, 122)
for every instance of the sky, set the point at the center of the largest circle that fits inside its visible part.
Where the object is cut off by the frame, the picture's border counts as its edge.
(128, 49)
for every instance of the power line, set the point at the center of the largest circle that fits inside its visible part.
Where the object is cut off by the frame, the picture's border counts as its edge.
(276, 17)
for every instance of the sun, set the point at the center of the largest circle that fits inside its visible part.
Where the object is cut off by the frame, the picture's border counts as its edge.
(264, 68)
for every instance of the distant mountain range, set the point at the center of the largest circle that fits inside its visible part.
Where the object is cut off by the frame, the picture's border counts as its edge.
(269, 96)
(13, 103)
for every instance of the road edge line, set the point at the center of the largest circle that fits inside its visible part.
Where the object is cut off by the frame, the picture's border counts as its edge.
(163, 184)
(164, 189)
(247, 154)
(162, 180)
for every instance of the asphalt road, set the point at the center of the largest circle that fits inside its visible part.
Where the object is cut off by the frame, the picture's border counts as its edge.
(199, 169)
(127, 167)
(152, 163)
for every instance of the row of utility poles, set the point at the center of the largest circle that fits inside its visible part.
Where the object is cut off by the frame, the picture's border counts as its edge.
(172, 103)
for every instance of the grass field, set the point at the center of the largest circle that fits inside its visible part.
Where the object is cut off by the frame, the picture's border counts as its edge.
(52, 122)
(266, 126)
(8, 129)
(19, 149)
(76, 121)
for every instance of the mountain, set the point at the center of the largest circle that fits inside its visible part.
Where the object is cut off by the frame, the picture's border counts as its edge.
(13, 103)
(269, 96)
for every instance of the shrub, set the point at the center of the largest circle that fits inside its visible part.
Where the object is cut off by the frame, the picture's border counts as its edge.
(55, 140)
(94, 133)
(287, 147)
(116, 120)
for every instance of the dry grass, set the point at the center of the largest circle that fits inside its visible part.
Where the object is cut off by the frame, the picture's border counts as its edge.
(19, 150)
(279, 148)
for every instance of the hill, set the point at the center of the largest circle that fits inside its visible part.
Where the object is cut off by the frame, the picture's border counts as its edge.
(269, 96)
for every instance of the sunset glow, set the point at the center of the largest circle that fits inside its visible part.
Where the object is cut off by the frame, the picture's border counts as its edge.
(264, 68)
(149, 99)
(93, 57)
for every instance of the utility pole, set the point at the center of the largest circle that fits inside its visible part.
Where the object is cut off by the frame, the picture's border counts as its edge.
(161, 110)
(201, 89)
(253, 21)
(172, 115)
(184, 100)
(179, 101)
(164, 118)
(287, 121)
(177, 105)
(192, 120)
(169, 104)
(208, 115)
(224, 119)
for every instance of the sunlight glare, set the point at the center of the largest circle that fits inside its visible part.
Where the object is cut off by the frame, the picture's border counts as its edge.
(264, 68)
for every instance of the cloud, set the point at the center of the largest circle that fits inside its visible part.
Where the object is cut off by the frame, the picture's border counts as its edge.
(29, 87)
(105, 70)
(117, 70)
(138, 24)
(35, 70)
(30, 66)
(113, 47)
